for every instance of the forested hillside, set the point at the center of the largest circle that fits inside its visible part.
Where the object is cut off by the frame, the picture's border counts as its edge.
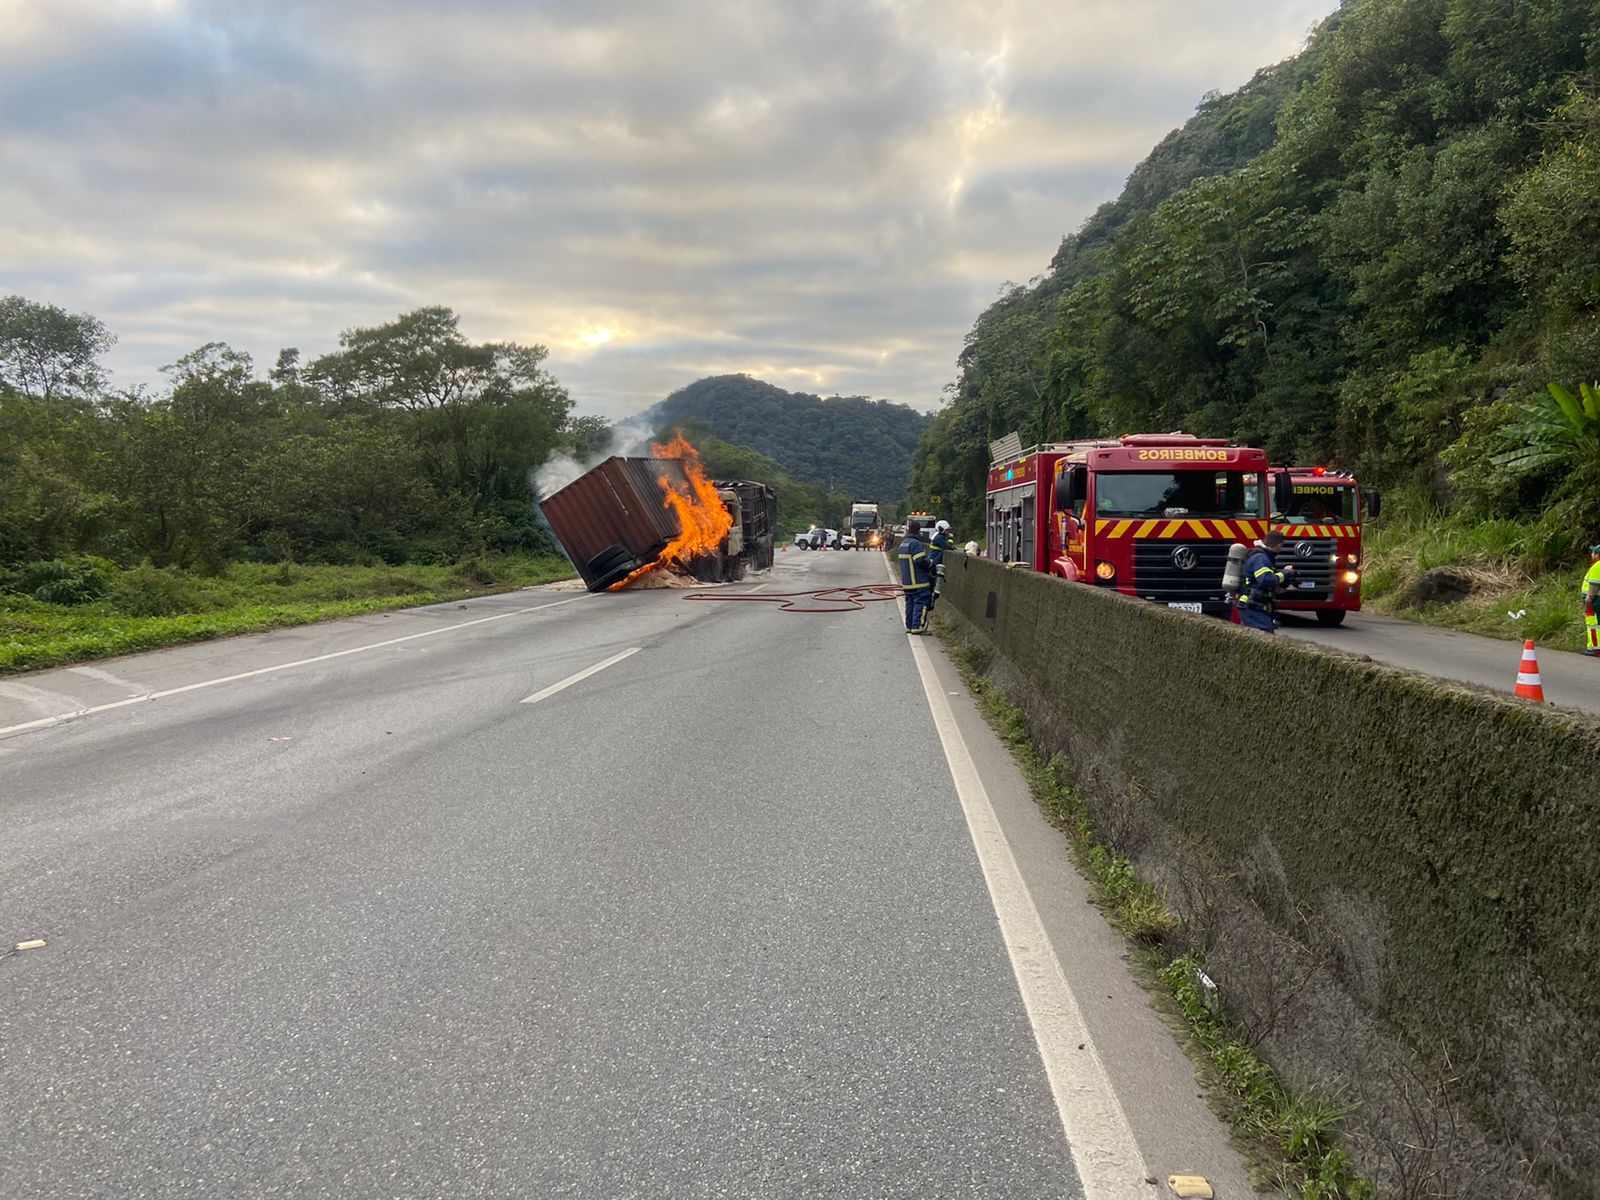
(1380, 254)
(847, 444)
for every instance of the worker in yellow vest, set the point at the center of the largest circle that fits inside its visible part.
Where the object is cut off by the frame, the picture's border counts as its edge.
(1591, 597)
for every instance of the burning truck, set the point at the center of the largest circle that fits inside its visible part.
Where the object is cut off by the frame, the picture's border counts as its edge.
(629, 517)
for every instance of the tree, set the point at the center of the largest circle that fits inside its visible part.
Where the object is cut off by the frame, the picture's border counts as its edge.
(483, 414)
(47, 352)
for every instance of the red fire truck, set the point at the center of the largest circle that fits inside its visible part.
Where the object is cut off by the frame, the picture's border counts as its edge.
(1150, 515)
(1320, 515)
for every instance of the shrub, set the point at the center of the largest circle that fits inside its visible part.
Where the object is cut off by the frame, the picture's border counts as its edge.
(473, 572)
(148, 591)
(59, 581)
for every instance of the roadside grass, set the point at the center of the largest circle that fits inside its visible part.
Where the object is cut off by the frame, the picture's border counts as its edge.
(145, 607)
(1512, 598)
(1290, 1135)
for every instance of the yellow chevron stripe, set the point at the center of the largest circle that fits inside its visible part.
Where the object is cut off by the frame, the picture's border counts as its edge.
(1100, 525)
(1201, 529)
(1122, 528)
(1171, 528)
(1146, 529)
(1224, 529)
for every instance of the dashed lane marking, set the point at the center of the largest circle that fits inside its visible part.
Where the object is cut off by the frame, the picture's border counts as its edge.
(546, 693)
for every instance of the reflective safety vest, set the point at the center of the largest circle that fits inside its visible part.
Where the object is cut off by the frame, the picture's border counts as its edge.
(1262, 579)
(937, 545)
(1591, 581)
(914, 571)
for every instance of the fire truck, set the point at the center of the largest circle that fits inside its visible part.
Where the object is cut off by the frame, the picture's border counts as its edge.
(1149, 515)
(1320, 515)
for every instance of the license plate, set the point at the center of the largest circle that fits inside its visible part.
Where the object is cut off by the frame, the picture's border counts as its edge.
(1308, 583)
(1186, 606)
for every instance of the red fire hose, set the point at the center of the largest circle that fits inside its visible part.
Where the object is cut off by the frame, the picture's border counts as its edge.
(840, 599)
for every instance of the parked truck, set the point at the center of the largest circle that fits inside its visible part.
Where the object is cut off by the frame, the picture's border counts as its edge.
(614, 519)
(1321, 516)
(1149, 515)
(864, 524)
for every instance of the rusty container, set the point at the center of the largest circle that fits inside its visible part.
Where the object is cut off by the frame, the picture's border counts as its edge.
(614, 518)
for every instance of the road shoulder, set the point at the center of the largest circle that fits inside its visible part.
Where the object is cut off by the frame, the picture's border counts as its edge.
(1153, 1080)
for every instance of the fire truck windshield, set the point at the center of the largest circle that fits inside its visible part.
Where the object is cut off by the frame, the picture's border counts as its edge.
(1313, 502)
(1174, 494)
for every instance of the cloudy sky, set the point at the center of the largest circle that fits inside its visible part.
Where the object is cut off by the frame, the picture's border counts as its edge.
(823, 193)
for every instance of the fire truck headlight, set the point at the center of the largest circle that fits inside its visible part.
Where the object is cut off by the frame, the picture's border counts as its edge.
(1105, 571)
(1352, 577)
(1352, 559)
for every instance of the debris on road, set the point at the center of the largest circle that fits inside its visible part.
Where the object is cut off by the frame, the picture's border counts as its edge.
(35, 944)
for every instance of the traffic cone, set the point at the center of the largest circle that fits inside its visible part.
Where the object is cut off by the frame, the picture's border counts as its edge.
(1529, 685)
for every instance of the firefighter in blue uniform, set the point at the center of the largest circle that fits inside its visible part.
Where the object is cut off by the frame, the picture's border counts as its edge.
(915, 580)
(938, 543)
(1262, 579)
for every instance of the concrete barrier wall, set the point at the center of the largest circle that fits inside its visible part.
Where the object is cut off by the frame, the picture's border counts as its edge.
(1445, 843)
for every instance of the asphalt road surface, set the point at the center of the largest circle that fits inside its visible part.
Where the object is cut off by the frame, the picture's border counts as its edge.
(1570, 680)
(559, 895)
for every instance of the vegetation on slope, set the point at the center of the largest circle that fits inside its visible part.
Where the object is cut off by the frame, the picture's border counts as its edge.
(857, 447)
(1378, 254)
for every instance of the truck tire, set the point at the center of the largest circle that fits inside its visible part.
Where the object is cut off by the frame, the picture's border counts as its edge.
(1330, 616)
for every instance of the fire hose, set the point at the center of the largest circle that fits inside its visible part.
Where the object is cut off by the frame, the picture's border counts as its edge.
(842, 599)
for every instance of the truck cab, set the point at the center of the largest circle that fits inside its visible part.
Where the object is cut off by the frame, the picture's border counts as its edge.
(1320, 513)
(1149, 515)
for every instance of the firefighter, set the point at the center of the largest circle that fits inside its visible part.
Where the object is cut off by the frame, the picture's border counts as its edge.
(1262, 579)
(938, 543)
(915, 581)
(1591, 598)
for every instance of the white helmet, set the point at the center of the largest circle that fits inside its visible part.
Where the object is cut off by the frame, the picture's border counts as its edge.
(941, 524)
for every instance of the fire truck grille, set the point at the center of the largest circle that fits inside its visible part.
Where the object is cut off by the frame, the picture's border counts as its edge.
(1314, 565)
(1157, 575)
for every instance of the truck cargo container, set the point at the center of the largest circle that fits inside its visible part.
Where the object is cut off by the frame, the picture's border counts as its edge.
(614, 519)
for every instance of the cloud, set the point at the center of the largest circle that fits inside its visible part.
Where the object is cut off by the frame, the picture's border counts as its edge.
(825, 192)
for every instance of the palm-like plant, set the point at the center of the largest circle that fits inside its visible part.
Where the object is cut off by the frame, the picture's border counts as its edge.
(1562, 433)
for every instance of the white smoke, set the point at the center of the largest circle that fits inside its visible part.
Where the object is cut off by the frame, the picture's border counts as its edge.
(631, 439)
(554, 475)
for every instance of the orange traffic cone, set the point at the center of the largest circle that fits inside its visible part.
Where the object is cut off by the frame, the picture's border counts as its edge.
(1529, 685)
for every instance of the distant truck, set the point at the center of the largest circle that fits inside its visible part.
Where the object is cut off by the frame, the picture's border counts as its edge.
(865, 527)
(614, 519)
(1320, 514)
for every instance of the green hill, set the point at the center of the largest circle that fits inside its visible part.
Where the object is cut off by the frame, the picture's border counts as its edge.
(1377, 254)
(847, 444)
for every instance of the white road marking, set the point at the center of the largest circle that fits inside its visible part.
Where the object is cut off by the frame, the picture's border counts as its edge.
(38, 699)
(546, 693)
(105, 677)
(299, 662)
(1110, 1164)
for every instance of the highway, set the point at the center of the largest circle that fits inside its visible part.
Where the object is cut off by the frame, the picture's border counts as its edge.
(559, 895)
(1570, 680)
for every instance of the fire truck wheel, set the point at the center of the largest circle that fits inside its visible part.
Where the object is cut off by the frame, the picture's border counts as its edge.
(1330, 616)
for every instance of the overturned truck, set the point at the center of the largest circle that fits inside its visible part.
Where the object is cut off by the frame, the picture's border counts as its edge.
(616, 519)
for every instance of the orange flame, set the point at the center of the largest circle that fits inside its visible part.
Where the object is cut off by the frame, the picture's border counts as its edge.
(703, 520)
